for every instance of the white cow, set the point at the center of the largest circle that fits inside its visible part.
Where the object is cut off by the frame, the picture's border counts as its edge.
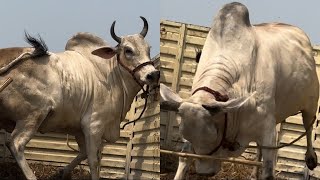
(84, 91)
(249, 78)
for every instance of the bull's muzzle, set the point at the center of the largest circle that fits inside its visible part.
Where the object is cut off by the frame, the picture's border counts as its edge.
(153, 77)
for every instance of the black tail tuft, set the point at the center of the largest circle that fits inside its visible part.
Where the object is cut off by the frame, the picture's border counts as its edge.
(38, 43)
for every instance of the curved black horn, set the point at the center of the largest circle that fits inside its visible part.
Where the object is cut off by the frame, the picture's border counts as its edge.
(145, 27)
(113, 35)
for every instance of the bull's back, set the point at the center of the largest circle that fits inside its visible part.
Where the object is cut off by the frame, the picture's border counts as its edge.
(295, 79)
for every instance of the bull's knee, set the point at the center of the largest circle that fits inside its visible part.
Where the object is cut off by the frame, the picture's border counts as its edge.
(311, 159)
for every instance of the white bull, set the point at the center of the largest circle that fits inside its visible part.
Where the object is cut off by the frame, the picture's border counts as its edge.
(249, 78)
(73, 92)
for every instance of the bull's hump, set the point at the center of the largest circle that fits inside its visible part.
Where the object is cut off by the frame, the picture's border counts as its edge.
(230, 21)
(234, 13)
(84, 40)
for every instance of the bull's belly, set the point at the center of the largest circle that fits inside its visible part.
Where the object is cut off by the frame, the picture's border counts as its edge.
(294, 101)
(65, 122)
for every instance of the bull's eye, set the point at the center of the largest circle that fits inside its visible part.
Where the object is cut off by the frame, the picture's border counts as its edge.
(128, 52)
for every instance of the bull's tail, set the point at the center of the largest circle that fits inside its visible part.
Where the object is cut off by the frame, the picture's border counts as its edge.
(40, 49)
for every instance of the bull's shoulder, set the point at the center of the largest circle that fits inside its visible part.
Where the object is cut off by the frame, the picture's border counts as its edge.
(9, 54)
(83, 41)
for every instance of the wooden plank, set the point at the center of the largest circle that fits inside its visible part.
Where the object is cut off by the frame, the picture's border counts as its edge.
(168, 50)
(147, 125)
(146, 152)
(166, 63)
(197, 33)
(177, 69)
(195, 40)
(186, 81)
(295, 119)
(144, 140)
(142, 164)
(172, 36)
(201, 29)
(167, 23)
(166, 78)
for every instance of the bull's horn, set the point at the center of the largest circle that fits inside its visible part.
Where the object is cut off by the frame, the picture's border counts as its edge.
(145, 27)
(113, 35)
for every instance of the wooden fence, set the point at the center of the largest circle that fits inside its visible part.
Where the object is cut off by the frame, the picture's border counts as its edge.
(178, 42)
(136, 155)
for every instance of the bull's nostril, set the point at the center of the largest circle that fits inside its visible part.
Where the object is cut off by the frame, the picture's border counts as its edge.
(149, 76)
(155, 75)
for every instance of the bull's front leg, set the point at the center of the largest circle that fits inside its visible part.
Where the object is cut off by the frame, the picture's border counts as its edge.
(184, 162)
(93, 140)
(269, 155)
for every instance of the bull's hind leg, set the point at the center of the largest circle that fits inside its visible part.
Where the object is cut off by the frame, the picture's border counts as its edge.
(21, 135)
(311, 157)
(81, 156)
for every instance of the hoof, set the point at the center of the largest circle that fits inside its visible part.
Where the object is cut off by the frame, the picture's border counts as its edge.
(311, 160)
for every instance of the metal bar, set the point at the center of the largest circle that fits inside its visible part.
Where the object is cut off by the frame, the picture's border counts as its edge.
(5, 84)
(233, 160)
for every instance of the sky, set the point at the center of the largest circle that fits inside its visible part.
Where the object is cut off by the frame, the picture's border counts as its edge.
(57, 20)
(304, 14)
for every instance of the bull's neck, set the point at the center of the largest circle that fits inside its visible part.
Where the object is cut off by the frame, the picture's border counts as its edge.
(122, 86)
(218, 74)
(127, 84)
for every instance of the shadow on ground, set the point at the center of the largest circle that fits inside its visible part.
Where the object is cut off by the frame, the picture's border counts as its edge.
(11, 171)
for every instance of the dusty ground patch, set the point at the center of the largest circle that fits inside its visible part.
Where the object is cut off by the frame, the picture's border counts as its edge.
(11, 171)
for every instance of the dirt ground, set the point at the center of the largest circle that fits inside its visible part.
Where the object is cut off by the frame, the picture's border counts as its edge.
(229, 171)
(11, 171)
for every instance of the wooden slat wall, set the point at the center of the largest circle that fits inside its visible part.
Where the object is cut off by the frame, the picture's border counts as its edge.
(177, 49)
(135, 154)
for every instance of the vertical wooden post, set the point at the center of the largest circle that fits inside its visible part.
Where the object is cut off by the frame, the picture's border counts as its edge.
(175, 82)
(129, 145)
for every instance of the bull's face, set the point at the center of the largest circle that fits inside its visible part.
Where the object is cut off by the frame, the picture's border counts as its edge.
(202, 130)
(202, 123)
(134, 51)
(133, 54)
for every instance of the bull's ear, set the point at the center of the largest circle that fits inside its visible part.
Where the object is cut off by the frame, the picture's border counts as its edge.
(228, 106)
(105, 52)
(169, 100)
